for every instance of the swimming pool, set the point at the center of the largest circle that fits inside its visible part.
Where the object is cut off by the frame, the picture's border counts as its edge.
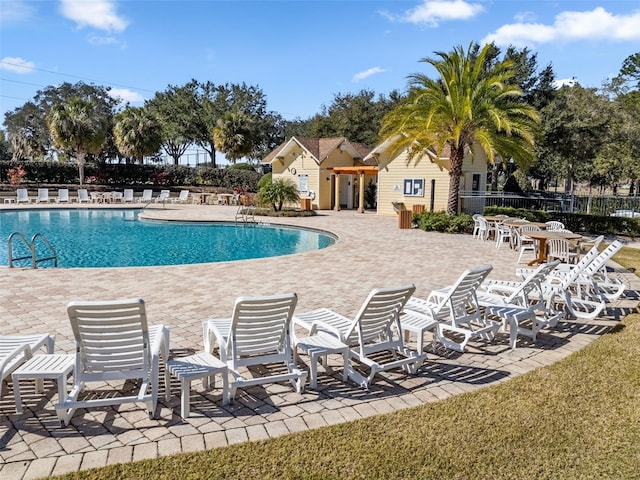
(118, 238)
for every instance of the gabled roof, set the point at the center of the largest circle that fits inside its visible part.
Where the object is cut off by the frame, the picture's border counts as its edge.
(372, 158)
(318, 148)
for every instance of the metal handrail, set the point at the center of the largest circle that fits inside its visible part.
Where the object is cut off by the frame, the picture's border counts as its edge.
(10, 248)
(32, 249)
(35, 260)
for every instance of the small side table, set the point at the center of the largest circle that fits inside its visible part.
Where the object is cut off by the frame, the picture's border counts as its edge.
(320, 345)
(56, 366)
(9, 200)
(203, 366)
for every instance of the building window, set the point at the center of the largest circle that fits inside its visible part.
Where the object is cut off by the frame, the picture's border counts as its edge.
(414, 187)
(303, 183)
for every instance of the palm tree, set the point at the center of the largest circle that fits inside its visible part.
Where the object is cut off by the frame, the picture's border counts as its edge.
(78, 130)
(473, 102)
(137, 133)
(279, 192)
(233, 135)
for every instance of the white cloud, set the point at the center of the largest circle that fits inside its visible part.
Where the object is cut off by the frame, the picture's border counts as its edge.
(16, 65)
(16, 11)
(99, 40)
(525, 17)
(433, 12)
(568, 82)
(597, 24)
(100, 14)
(125, 96)
(367, 73)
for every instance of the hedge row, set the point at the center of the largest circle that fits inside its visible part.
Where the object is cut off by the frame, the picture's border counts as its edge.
(123, 174)
(577, 222)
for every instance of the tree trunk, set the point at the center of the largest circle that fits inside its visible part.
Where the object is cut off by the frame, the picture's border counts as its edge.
(455, 172)
(494, 177)
(81, 161)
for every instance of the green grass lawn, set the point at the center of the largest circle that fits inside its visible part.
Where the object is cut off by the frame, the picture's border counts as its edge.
(578, 418)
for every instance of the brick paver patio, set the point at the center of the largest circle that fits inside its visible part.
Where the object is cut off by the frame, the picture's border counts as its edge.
(371, 252)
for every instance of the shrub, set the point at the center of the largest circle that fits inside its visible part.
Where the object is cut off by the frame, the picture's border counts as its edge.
(278, 193)
(241, 166)
(266, 179)
(441, 222)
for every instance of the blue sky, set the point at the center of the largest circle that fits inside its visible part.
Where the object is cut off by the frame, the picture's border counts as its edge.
(300, 53)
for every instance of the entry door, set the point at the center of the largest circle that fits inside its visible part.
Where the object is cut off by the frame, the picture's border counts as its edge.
(346, 191)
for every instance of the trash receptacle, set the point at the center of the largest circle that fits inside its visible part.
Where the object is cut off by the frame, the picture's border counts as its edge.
(305, 204)
(405, 219)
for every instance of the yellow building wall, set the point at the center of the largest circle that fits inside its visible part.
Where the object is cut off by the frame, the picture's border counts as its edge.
(392, 176)
(305, 164)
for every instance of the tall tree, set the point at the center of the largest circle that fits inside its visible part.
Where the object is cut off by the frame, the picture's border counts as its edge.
(233, 135)
(27, 125)
(137, 133)
(469, 104)
(174, 109)
(355, 116)
(77, 130)
(575, 125)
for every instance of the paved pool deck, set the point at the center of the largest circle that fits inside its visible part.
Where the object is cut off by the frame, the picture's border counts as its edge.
(371, 251)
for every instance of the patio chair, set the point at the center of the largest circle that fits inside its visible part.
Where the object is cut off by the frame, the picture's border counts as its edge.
(503, 232)
(83, 196)
(520, 303)
(127, 196)
(164, 196)
(114, 343)
(183, 197)
(43, 195)
(476, 225)
(370, 332)
(524, 242)
(561, 249)
(258, 333)
(63, 195)
(554, 225)
(147, 196)
(451, 313)
(22, 196)
(17, 349)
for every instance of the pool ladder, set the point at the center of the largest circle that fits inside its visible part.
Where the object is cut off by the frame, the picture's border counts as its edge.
(245, 215)
(32, 248)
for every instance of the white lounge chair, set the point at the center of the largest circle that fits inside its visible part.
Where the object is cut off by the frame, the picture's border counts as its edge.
(17, 349)
(370, 332)
(63, 195)
(128, 195)
(165, 196)
(451, 313)
(147, 196)
(183, 197)
(22, 196)
(43, 195)
(83, 196)
(520, 305)
(258, 333)
(114, 343)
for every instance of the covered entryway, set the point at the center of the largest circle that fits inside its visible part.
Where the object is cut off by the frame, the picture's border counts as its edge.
(352, 177)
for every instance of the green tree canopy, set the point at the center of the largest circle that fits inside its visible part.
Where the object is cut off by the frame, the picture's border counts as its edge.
(77, 130)
(137, 133)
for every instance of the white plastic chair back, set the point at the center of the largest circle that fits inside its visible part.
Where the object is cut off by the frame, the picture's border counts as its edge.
(554, 225)
(63, 195)
(127, 195)
(260, 329)
(379, 311)
(559, 248)
(43, 195)
(22, 195)
(112, 339)
(147, 195)
(83, 195)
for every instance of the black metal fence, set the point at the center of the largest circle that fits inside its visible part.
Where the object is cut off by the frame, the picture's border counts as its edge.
(624, 206)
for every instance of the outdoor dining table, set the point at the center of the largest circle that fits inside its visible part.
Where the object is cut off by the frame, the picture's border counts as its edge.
(514, 224)
(226, 197)
(542, 236)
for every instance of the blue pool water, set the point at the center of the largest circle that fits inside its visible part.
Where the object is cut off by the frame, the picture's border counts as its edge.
(117, 238)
